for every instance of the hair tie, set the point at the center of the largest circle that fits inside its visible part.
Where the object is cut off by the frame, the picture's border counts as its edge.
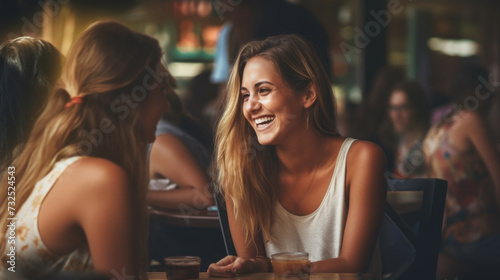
(74, 100)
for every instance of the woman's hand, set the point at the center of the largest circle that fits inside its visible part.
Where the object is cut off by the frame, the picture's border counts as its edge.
(231, 266)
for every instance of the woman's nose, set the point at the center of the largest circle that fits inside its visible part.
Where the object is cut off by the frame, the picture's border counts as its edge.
(253, 103)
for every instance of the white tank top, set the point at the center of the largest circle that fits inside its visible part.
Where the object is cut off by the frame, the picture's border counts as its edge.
(33, 258)
(320, 233)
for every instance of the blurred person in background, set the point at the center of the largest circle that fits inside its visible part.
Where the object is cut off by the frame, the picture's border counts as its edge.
(81, 179)
(259, 19)
(181, 118)
(29, 69)
(178, 168)
(405, 127)
(373, 110)
(460, 150)
(198, 101)
(178, 161)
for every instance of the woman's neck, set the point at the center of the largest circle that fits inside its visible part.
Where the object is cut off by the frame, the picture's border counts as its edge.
(411, 135)
(303, 153)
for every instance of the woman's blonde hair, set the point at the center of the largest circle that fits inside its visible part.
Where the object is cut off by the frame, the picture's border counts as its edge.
(247, 172)
(108, 63)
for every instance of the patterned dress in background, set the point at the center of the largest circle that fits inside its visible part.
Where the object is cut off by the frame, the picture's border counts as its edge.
(471, 212)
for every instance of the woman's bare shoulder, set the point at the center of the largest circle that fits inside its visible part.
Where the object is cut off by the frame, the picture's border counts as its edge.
(366, 167)
(92, 174)
(87, 184)
(362, 151)
(470, 118)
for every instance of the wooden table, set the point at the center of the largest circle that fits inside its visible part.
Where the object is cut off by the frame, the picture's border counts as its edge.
(264, 276)
(189, 217)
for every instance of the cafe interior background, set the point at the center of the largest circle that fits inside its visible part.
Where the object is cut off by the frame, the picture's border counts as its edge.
(426, 38)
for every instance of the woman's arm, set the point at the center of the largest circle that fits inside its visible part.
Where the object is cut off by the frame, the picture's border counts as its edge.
(171, 159)
(481, 139)
(366, 193)
(245, 262)
(105, 214)
(91, 203)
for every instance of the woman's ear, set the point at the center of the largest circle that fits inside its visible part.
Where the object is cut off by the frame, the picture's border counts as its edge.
(310, 96)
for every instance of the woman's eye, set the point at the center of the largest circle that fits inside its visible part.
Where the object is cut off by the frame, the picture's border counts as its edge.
(264, 90)
(245, 96)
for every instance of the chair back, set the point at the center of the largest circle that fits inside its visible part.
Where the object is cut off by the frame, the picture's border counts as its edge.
(406, 254)
(224, 223)
(397, 251)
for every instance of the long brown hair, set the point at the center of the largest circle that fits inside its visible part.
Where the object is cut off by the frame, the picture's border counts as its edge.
(247, 171)
(107, 62)
(29, 69)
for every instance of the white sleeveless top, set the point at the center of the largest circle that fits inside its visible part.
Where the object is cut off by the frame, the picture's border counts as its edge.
(33, 258)
(320, 233)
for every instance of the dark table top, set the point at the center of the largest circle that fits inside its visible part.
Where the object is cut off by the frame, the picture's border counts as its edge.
(264, 276)
(186, 217)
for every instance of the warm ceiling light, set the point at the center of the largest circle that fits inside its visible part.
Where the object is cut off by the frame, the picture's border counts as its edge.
(453, 47)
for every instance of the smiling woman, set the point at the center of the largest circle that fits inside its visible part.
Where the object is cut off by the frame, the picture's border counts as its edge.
(299, 188)
(269, 103)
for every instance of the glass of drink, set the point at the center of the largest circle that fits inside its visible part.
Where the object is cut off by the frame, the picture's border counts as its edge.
(291, 264)
(182, 267)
